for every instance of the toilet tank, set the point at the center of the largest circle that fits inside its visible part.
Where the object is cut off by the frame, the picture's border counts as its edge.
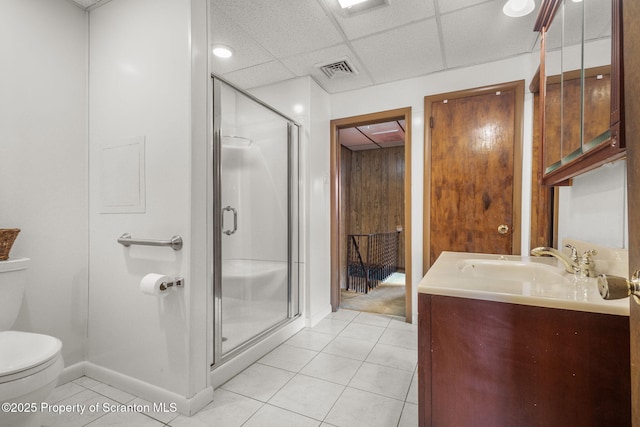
(13, 277)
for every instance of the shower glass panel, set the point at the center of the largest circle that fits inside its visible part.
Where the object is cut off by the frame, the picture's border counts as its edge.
(255, 237)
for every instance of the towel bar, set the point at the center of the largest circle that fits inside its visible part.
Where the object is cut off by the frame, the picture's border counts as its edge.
(175, 242)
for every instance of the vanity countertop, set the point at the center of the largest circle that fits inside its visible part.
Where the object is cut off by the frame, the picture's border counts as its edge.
(535, 281)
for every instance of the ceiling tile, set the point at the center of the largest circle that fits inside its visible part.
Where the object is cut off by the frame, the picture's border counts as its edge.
(343, 83)
(572, 23)
(259, 75)
(275, 40)
(597, 18)
(86, 4)
(351, 137)
(401, 53)
(480, 43)
(446, 6)
(283, 27)
(373, 136)
(383, 133)
(306, 64)
(398, 13)
(247, 52)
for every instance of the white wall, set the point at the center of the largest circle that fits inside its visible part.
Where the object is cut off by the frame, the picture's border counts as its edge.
(140, 86)
(594, 208)
(43, 176)
(317, 180)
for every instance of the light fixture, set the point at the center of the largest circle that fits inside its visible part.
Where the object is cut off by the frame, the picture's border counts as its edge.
(518, 8)
(348, 3)
(222, 51)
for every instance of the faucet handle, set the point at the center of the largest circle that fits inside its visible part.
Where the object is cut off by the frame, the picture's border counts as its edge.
(574, 253)
(587, 265)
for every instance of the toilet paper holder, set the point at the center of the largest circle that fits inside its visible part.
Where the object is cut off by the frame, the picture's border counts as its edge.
(177, 282)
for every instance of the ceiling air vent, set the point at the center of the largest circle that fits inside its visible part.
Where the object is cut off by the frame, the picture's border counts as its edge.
(339, 68)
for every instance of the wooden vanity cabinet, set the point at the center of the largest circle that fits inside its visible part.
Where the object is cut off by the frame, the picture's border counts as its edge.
(485, 363)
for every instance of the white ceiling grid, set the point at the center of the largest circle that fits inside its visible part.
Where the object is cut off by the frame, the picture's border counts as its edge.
(275, 40)
(404, 39)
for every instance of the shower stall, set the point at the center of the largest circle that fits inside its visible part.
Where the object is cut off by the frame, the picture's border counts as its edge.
(255, 221)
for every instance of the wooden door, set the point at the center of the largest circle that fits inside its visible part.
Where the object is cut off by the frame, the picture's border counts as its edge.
(474, 184)
(631, 92)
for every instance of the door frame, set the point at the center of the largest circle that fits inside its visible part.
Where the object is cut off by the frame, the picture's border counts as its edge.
(518, 87)
(336, 180)
(631, 122)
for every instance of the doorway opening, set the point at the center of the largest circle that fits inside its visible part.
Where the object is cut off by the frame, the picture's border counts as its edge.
(371, 213)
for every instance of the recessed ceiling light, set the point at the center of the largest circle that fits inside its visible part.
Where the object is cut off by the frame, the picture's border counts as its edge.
(222, 51)
(518, 8)
(354, 7)
(348, 3)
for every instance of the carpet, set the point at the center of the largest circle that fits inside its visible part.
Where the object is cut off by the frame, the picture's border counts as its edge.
(386, 298)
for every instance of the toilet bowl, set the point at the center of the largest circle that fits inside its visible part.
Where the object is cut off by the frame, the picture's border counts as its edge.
(30, 363)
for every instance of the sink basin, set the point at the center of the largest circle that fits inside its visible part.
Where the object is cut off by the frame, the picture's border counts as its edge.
(515, 279)
(512, 270)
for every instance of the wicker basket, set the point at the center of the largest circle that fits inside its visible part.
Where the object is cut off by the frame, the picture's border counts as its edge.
(7, 237)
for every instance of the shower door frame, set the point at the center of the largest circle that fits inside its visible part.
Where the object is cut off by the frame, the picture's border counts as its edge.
(215, 223)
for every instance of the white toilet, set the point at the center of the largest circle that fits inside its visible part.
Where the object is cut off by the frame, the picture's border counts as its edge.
(29, 363)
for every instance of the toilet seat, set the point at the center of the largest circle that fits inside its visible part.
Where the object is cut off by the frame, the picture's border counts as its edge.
(28, 361)
(24, 353)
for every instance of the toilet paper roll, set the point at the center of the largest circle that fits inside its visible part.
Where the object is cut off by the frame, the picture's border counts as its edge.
(150, 284)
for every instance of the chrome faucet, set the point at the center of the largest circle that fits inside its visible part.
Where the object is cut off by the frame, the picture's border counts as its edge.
(574, 264)
(570, 264)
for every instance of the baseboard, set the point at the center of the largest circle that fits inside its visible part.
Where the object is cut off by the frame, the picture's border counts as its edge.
(184, 405)
(313, 320)
(73, 372)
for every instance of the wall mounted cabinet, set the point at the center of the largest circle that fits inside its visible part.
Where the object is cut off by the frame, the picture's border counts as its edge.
(580, 87)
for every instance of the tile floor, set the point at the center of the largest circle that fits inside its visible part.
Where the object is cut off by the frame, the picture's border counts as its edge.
(352, 369)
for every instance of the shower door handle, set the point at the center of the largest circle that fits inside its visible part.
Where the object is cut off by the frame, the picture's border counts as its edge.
(235, 220)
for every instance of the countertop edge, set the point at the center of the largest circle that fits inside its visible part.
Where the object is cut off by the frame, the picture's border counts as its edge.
(447, 260)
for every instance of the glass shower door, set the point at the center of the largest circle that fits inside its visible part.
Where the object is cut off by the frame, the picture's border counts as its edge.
(253, 164)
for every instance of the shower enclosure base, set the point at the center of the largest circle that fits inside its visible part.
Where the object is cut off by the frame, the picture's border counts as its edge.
(230, 368)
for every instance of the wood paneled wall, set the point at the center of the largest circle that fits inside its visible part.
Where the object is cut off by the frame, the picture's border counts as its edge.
(373, 193)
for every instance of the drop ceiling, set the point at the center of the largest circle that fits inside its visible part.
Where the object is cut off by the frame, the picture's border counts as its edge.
(279, 40)
(276, 40)
(373, 136)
